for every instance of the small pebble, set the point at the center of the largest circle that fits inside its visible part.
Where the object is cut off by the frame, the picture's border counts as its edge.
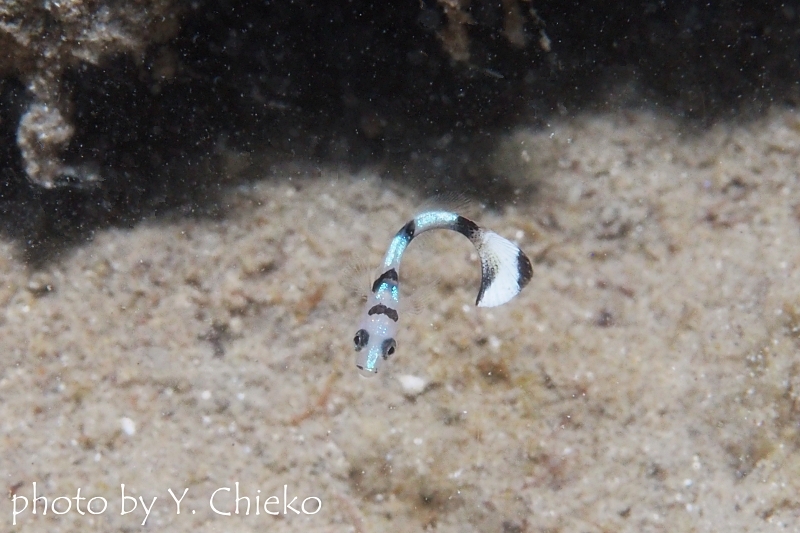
(40, 283)
(494, 343)
(128, 426)
(412, 385)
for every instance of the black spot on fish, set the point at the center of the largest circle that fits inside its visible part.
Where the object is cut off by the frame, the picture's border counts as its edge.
(409, 230)
(381, 309)
(389, 275)
(466, 227)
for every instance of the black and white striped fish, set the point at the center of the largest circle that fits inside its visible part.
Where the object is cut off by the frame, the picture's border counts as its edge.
(505, 270)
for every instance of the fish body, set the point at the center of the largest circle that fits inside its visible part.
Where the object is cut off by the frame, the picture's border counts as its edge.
(505, 270)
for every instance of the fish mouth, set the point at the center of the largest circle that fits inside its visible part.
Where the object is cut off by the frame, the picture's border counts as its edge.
(366, 372)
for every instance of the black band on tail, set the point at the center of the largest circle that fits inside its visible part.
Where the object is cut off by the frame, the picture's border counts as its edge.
(488, 274)
(524, 268)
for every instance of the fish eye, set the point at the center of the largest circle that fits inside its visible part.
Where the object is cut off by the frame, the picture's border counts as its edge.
(361, 339)
(388, 347)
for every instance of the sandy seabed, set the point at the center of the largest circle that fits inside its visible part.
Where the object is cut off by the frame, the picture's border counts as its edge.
(647, 379)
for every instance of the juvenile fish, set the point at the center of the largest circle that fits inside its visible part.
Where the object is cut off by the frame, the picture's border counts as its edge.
(505, 270)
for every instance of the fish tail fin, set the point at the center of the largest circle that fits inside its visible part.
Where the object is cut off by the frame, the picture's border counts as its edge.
(505, 269)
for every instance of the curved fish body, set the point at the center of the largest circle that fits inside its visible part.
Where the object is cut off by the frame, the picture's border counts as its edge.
(505, 270)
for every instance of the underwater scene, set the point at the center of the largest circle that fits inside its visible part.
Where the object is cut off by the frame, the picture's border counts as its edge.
(222, 309)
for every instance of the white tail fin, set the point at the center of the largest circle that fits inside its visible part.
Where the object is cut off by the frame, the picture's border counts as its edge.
(505, 269)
